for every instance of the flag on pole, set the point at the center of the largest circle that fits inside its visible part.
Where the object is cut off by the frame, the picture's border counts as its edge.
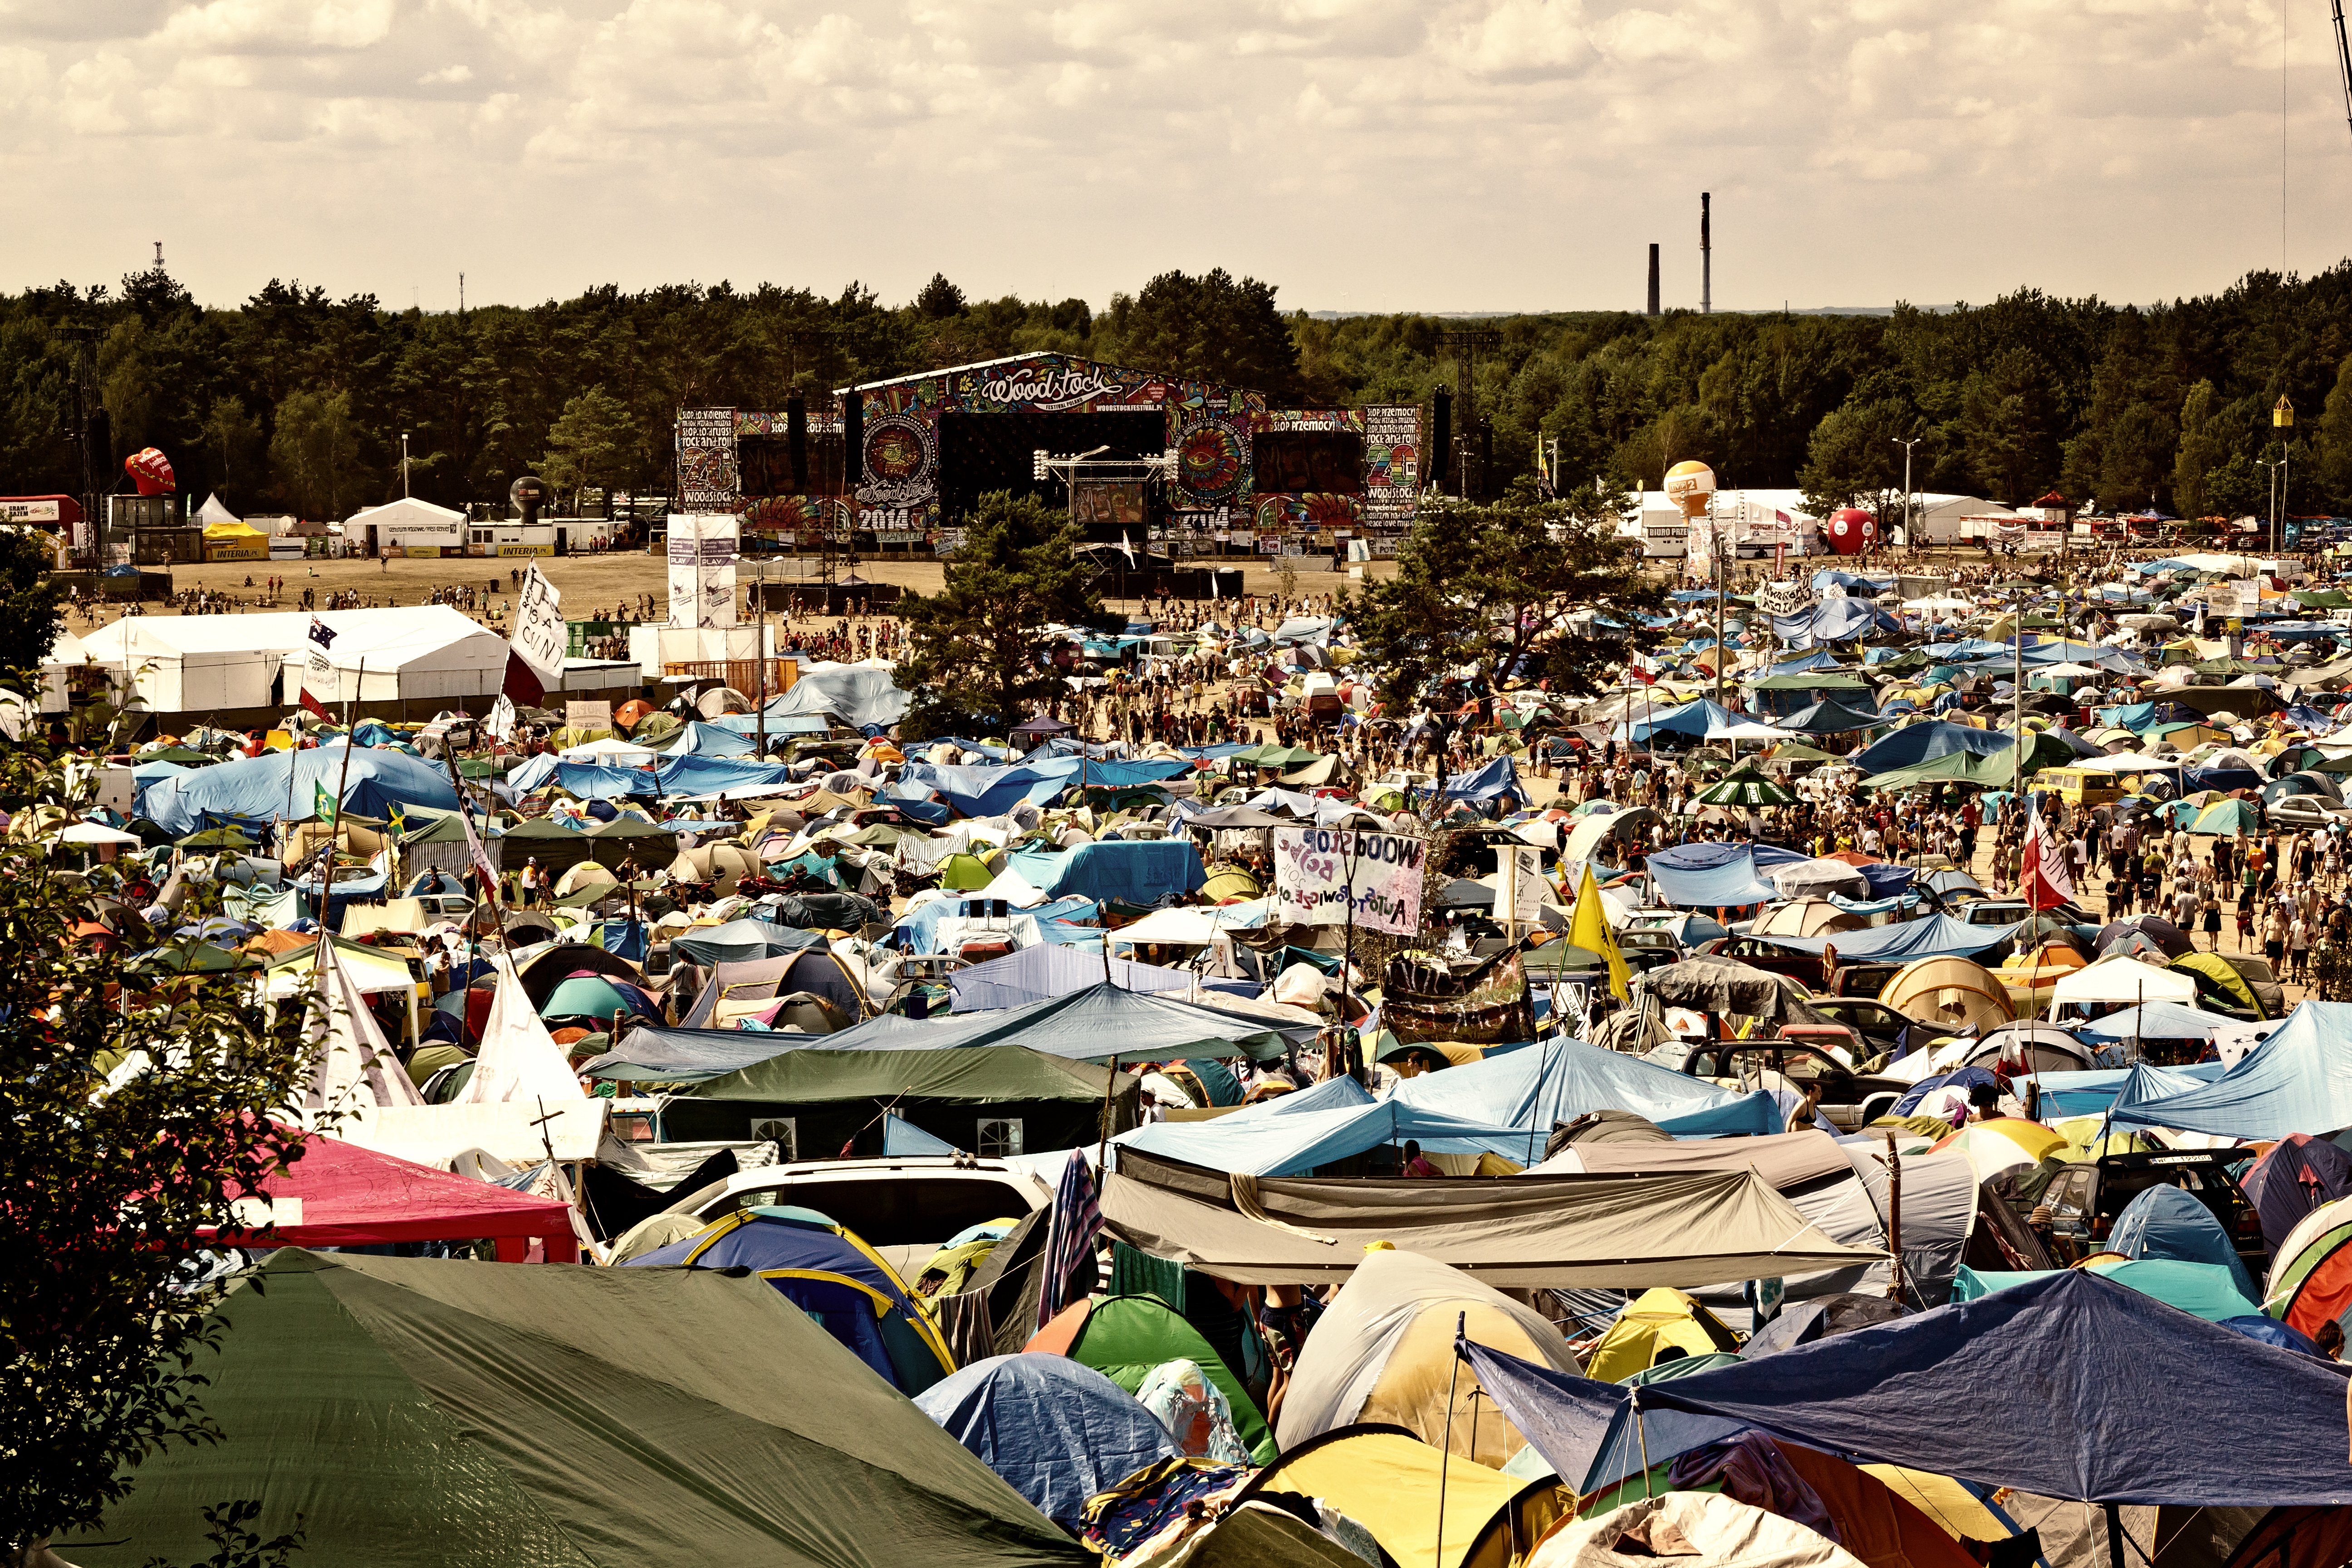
(1589, 928)
(323, 805)
(1125, 548)
(535, 653)
(2044, 873)
(318, 670)
(480, 857)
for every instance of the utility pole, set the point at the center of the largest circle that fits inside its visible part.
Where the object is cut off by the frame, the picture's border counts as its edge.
(404, 465)
(1906, 447)
(1465, 345)
(2282, 421)
(1705, 254)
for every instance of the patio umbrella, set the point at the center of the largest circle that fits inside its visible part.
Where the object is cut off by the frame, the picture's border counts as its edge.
(1746, 786)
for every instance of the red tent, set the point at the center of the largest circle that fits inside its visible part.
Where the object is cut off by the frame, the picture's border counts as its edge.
(340, 1195)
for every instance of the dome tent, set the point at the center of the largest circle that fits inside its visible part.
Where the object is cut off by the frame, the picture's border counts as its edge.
(831, 1276)
(1383, 1353)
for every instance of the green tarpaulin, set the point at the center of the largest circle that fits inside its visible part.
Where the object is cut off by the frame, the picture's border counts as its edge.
(450, 1415)
(1992, 769)
(978, 1075)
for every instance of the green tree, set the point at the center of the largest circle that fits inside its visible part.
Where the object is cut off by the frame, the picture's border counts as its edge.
(104, 1192)
(235, 447)
(313, 451)
(940, 298)
(2007, 422)
(2199, 454)
(589, 442)
(1513, 590)
(2238, 487)
(2335, 434)
(30, 621)
(1211, 328)
(1853, 458)
(980, 655)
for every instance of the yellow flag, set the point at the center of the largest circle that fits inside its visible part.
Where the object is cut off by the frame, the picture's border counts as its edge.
(1589, 928)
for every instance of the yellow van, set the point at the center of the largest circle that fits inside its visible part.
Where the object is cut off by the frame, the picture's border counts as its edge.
(2080, 786)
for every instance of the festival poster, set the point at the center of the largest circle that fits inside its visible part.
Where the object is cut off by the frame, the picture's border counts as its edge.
(706, 477)
(1320, 873)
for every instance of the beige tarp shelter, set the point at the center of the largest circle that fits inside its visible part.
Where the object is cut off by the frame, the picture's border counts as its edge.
(1703, 1228)
(1784, 1159)
(1384, 1352)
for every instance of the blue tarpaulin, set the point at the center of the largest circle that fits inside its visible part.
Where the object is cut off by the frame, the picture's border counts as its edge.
(688, 1056)
(256, 789)
(1033, 974)
(1834, 620)
(1056, 1430)
(1133, 870)
(741, 942)
(2091, 1093)
(1930, 936)
(1707, 876)
(1294, 1134)
(2071, 1386)
(2157, 1021)
(2298, 1080)
(1094, 1025)
(1493, 781)
(1697, 718)
(1918, 742)
(859, 697)
(1562, 1079)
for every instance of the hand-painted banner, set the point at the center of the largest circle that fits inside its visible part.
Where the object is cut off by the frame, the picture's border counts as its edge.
(1319, 873)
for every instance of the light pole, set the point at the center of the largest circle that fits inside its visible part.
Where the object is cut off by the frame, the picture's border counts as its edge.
(403, 464)
(2277, 485)
(2282, 421)
(1906, 447)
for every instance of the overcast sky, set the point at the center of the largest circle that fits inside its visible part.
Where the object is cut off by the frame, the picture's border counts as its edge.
(1362, 154)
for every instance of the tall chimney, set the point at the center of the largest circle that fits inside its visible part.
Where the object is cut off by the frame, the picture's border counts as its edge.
(1653, 278)
(1705, 258)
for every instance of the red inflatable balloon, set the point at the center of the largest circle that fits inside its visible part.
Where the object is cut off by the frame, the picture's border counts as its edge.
(151, 471)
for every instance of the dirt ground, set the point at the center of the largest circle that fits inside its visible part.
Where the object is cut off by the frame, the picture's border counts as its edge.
(589, 583)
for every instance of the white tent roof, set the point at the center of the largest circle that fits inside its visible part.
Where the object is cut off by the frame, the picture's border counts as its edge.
(213, 512)
(407, 508)
(2119, 978)
(388, 639)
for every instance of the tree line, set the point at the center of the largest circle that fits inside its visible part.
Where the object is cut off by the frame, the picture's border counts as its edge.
(297, 401)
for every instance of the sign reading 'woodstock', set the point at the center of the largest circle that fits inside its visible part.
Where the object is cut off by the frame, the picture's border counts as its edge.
(1321, 872)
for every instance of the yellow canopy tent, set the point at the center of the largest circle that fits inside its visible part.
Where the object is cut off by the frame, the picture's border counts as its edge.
(1655, 1320)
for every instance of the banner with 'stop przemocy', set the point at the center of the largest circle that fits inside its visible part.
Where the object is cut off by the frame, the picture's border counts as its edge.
(1321, 872)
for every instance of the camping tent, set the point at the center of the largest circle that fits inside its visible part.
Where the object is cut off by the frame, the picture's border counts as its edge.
(1653, 1323)
(1056, 1430)
(2167, 1221)
(1383, 1352)
(831, 1275)
(414, 1412)
(2299, 1175)
(1950, 992)
(1530, 1091)
(1126, 1337)
(1421, 1506)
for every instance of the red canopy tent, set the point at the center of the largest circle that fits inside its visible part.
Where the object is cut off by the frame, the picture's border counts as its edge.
(340, 1195)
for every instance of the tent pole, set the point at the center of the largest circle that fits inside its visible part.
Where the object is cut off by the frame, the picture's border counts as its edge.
(1642, 1432)
(2115, 1534)
(1446, 1454)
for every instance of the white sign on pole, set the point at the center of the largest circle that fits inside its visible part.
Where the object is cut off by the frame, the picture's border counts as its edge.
(539, 634)
(702, 552)
(1319, 873)
(1522, 896)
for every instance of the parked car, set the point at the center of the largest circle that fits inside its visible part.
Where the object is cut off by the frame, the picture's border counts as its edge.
(1763, 952)
(1648, 950)
(2084, 1199)
(2262, 980)
(1850, 1101)
(903, 1206)
(2306, 811)
(1884, 1031)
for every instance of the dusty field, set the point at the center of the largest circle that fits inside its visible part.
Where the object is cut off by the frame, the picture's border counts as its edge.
(589, 583)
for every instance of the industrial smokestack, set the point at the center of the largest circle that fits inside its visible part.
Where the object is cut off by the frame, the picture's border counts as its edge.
(1653, 279)
(1705, 258)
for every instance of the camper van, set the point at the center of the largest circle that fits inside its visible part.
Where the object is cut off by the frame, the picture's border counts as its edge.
(2080, 786)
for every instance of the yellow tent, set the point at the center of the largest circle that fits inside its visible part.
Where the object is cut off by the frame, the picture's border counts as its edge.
(1387, 1480)
(1655, 1320)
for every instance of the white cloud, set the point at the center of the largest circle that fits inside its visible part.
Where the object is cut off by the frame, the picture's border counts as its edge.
(1430, 153)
